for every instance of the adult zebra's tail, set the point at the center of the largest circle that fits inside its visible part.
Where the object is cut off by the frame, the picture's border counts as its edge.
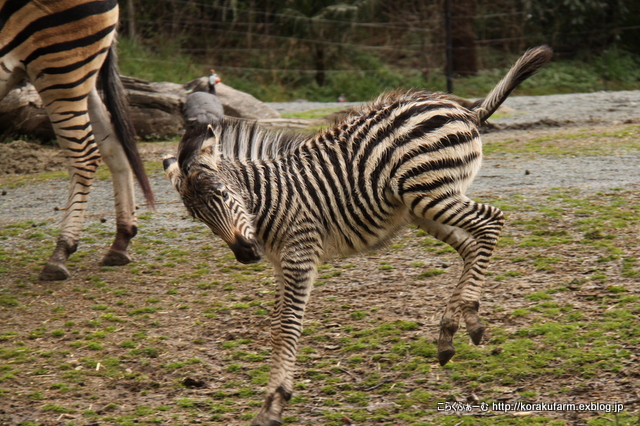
(114, 98)
(524, 68)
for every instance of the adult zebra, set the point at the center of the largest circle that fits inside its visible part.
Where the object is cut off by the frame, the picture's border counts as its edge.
(62, 47)
(405, 158)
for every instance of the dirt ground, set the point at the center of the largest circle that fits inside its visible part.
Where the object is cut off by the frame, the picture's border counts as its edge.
(180, 336)
(21, 157)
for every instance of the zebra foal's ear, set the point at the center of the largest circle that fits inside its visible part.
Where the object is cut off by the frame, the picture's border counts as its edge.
(211, 150)
(198, 144)
(211, 142)
(172, 170)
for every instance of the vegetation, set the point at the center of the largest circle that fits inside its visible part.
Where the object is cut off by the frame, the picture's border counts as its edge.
(318, 50)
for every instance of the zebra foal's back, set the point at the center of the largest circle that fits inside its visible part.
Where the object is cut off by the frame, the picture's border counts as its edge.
(361, 178)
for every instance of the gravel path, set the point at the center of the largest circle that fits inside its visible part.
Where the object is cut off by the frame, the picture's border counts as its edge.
(596, 107)
(37, 201)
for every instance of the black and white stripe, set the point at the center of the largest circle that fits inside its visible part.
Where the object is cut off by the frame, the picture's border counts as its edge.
(407, 157)
(63, 48)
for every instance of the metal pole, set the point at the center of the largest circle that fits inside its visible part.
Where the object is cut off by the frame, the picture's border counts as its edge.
(449, 45)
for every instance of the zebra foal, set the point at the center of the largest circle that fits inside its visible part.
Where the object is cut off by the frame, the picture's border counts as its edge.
(404, 158)
(62, 47)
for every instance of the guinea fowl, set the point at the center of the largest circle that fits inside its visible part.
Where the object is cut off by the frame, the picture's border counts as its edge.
(204, 107)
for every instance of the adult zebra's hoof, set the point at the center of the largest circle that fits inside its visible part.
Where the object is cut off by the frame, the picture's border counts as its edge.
(54, 272)
(115, 258)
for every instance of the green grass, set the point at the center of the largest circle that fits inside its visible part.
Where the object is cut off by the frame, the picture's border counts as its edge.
(616, 70)
(368, 349)
(315, 113)
(103, 173)
(160, 63)
(622, 141)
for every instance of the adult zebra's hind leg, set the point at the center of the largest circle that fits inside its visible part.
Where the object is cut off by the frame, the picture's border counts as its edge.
(122, 177)
(472, 229)
(294, 276)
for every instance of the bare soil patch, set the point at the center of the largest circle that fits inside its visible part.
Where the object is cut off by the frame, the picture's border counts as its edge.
(21, 157)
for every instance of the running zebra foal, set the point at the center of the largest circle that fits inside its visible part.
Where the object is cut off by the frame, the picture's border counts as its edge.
(404, 158)
(62, 47)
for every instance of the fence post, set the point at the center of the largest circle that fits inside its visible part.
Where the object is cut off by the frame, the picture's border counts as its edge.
(449, 45)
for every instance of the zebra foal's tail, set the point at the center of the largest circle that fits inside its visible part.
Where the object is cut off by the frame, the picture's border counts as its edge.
(524, 68)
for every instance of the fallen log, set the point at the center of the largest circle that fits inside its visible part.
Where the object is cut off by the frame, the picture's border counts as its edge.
(156, 109)
(21, 114)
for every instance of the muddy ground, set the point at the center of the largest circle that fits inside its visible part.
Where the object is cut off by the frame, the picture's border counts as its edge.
(180, 336)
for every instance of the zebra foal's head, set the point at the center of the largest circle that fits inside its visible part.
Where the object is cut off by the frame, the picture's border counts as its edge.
(210, 193)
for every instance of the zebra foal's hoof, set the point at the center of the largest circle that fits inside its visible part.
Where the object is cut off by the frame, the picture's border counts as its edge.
(115, 258)
(445, 355)
(263, 419)
(476, 332)
(446, 351)
(54, 272)
(269, 423)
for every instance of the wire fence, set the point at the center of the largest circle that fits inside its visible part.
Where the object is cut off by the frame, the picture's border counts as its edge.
(233, 37)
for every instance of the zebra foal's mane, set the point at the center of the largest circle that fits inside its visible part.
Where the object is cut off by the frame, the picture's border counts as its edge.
(242, 140)
(238, 140)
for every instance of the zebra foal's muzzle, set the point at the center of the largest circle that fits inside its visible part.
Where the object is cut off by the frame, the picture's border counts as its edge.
(246, 251)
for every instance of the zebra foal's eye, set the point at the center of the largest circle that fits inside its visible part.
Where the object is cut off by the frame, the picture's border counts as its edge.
(220, 190)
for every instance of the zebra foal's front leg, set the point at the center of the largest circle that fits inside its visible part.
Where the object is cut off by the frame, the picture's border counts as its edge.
(294, 278)
(472, 229)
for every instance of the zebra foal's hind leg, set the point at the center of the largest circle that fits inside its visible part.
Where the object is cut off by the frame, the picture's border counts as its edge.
(472, 229)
